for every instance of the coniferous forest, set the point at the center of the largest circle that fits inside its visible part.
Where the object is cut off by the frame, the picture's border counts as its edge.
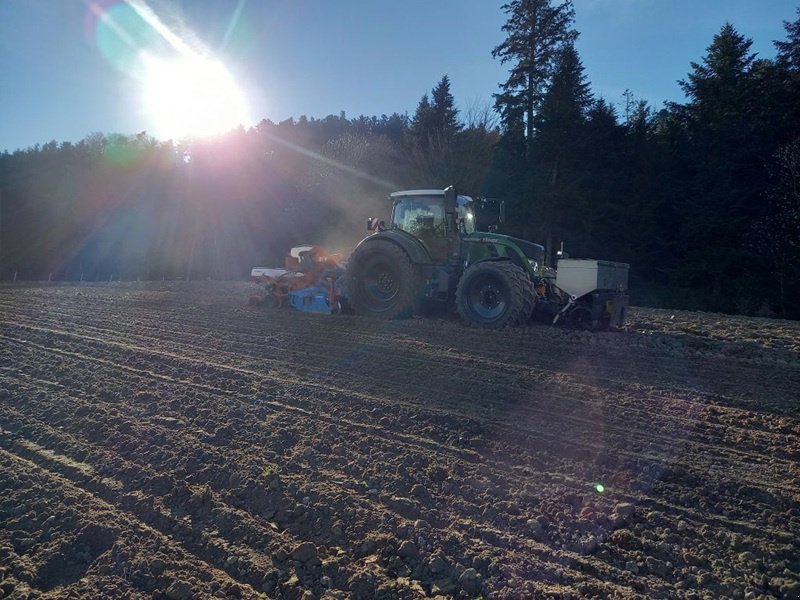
(702, 198)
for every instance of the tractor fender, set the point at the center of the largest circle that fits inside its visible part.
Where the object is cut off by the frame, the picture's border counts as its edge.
(492, 259)
(416, 250)
(484, 246)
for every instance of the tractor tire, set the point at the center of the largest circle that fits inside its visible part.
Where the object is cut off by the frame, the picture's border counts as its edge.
(381, 281)
(493, 295)
(529, 302)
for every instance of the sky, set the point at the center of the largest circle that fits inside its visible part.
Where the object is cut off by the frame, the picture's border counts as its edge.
(69, 68)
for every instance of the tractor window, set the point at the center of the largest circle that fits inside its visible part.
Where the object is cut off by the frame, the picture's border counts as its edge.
(466, 215)
(420, 215)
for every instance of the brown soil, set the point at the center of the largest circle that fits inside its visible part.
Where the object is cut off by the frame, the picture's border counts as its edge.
(167, 441)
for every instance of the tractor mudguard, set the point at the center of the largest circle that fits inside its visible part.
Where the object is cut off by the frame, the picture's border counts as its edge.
(414, 248)
(530, 249)
(490, 246)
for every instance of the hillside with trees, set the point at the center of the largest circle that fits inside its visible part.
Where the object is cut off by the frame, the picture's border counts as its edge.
(701, 197)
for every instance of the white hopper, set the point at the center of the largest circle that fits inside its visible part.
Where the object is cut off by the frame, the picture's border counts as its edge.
(579, 277)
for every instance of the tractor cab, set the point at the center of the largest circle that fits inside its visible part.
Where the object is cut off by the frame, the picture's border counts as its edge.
(434, 217)
(420, 214)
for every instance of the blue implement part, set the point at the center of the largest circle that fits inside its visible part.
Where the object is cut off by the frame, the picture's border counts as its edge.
(311, 300)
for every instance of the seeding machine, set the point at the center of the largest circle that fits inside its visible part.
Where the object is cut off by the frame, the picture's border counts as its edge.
(310, 281)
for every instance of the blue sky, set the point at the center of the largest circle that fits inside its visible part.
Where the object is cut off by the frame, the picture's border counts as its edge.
(64, 76)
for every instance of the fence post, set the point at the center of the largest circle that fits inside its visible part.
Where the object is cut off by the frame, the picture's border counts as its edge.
(15, 276)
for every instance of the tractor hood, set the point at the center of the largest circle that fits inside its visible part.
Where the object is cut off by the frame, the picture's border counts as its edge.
(531, 249)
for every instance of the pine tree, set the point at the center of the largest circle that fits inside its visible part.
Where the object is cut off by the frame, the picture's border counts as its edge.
(788, 66)
(445, 114)
(788, 55)
(422, 124)
(718, 86)
(559, 135)
(536, 30)
(563, 111)
(435, 121)
(778, 234)
(729, 173)
(432, 137)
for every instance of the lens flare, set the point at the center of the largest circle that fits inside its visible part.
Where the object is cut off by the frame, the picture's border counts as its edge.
(186, 92)
(191, 95)
(120, 33)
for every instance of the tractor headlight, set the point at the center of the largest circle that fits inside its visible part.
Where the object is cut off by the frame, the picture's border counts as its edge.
(534, 264)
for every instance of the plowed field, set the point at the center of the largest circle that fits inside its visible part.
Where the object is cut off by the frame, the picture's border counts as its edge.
(167, 441)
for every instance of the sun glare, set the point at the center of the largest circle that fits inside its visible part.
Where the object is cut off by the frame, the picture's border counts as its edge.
(191, 96)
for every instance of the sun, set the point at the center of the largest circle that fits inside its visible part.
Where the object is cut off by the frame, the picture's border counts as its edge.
(191, 96)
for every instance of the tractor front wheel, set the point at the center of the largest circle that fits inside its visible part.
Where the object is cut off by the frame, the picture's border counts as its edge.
(492, 295)
(381, 281)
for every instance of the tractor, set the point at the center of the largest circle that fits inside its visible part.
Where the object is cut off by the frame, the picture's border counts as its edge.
(431, 252)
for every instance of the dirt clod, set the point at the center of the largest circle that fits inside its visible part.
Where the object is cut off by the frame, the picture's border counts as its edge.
(304, 552)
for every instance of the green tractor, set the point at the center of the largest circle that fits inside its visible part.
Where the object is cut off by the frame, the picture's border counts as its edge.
(432, 252)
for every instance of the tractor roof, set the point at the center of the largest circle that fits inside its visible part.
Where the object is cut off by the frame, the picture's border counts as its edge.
(416, 193)
(403, 193)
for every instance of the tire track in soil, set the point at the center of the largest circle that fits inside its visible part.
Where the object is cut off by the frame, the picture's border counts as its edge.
(272, 363)
(662, 489)
(171, 523)
(743, 366)
(698, 447)
(535, 373)
(528, 551)
(103, 518)
(173, 528)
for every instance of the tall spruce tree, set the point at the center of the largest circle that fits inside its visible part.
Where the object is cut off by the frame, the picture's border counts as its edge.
(559, 147)
(778, 234)
(729, 173)
(788, 63)
(718, 86)
(643, 226)
(435, 121)
(789, 49)
(444, 111)
(536, 30)
(432, 135)
(422, 123)
(601, 220)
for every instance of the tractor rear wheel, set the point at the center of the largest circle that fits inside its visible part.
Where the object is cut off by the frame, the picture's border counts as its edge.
(381, 281)
(493, 295)
(529, 302)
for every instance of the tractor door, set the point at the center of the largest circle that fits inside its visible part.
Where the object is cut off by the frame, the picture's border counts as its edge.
(425, 218)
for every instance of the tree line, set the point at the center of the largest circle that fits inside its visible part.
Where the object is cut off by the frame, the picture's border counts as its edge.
(701, 197)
